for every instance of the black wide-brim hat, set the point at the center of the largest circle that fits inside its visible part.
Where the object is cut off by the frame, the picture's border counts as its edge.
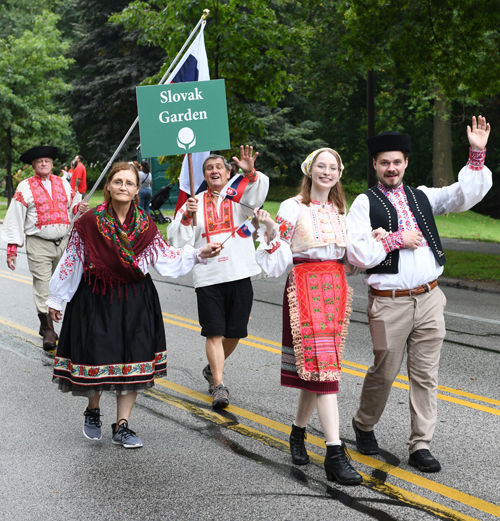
(34, 153)
(389, 141)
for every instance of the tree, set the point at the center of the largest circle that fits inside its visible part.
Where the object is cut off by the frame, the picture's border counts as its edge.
(30, 81)
(448, 50)
(245, 46)
(109, 65)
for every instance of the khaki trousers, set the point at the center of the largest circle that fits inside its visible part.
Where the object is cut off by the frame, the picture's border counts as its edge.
(43, 257)
(417, 323)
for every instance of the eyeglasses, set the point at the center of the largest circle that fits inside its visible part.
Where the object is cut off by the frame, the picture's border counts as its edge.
(128, 184)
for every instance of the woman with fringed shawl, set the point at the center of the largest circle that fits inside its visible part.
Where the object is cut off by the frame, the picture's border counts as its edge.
(310, 233)
(112, 337)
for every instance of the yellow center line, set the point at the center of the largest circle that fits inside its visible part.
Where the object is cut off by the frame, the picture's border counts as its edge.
(399, 385)
(373, 483)
(374, 463)
(425, 483)
(19, 327)
(17, 278)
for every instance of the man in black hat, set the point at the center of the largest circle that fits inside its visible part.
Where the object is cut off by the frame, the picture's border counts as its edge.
(41, 210)
(405, 306)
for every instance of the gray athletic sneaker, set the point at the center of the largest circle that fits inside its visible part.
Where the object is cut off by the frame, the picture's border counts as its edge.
(207, 374)
(125, 437)
(92, 424)
(220, 397)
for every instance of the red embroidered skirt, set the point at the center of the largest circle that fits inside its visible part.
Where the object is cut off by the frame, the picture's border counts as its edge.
(316, 309)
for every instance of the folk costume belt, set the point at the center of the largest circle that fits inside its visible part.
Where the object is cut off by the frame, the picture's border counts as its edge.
(425, 288)
(55, 241)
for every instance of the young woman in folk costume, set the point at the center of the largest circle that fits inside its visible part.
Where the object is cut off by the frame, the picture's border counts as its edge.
(112, 337)
(310, 234)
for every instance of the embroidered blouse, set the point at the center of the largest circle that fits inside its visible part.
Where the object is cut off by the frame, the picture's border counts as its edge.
(216, 223)
(416, 267)
(315, 232)
(166, 260)
(41, 208)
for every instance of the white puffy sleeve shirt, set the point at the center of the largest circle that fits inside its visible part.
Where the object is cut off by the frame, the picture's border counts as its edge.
(419, 266)
(167, 261)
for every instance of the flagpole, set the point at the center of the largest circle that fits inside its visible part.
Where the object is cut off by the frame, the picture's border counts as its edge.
(191, 183)
(242, 204)
(206, 12)
(249, 218)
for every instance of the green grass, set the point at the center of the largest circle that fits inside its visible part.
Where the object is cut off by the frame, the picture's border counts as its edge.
(469, 225)
(472, 266)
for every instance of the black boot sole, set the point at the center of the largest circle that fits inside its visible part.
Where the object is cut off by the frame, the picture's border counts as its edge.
(330, 476)
(301, 462)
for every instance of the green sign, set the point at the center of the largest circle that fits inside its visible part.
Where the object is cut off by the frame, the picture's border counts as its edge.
(183, 117)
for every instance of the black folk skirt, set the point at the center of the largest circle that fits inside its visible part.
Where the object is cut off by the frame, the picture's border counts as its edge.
(111, 342)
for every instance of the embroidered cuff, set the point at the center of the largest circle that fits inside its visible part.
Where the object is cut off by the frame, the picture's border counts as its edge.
(274, 246)
(393, 242)
(186, 219)
(252, 176)
(11, 250)
(476, 159)
(198, 259)
(54, 303)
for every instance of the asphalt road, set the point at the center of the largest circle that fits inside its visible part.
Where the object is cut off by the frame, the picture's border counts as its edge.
(199, 464)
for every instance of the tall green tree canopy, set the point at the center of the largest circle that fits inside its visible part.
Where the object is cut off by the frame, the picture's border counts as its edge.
(245, 46)
(30, 84)
(109, 65)
(451, 44)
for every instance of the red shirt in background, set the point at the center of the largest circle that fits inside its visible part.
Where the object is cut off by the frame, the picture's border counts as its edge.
(80, 172)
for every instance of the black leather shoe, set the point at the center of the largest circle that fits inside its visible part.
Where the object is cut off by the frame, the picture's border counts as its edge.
(338, 467)
(365, 440)
(297, 445)
(424, 461)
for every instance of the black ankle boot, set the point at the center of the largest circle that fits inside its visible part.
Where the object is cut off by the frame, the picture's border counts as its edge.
(338, 468)
(297, 446)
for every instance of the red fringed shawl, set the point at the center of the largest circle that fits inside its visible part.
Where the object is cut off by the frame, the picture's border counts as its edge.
(110, 248)
(320, 305)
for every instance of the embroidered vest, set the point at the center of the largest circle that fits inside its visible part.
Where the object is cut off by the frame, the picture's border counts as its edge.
(317, 226)
(383, 214)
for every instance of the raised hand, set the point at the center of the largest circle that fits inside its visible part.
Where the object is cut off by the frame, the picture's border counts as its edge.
(478, 135)
(247, 161)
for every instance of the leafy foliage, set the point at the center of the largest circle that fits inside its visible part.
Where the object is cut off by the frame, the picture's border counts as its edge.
(109, 65)
(245, 47)
(30, 82)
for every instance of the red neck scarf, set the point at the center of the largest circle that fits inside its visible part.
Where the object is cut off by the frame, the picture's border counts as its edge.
(111, 249)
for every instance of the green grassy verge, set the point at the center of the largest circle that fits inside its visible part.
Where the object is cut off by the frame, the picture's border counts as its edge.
(472, 266)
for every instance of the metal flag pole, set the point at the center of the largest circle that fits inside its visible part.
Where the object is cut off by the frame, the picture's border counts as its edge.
(202, 21)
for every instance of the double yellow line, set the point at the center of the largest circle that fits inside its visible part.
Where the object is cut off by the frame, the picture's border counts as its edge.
(266, 345)
(375, 484)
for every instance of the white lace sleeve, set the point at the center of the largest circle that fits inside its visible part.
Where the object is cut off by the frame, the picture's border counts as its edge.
(167, 260)
(68, 274)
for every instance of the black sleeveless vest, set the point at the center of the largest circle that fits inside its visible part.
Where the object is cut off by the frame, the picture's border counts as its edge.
(383, 214)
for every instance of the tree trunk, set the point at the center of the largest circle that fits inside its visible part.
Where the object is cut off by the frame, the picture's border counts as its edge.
(442, 165)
